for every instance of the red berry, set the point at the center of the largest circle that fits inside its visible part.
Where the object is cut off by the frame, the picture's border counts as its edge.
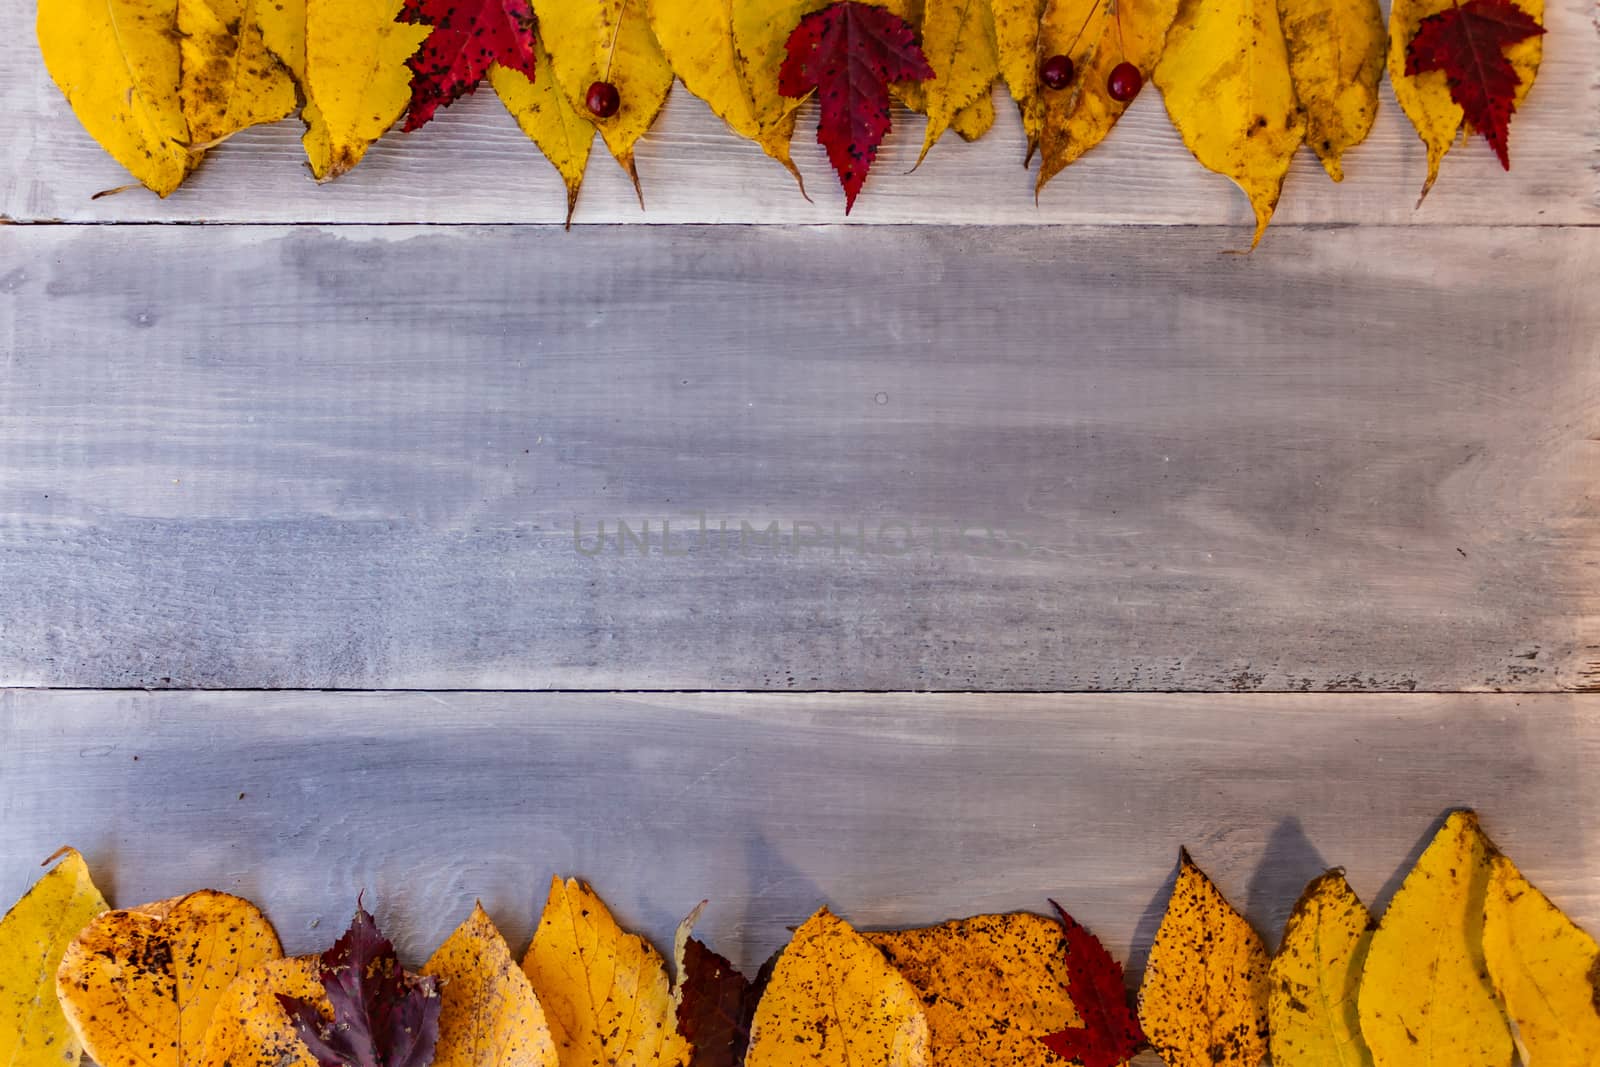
(604, 100)
(1125, 82)
(1056, 72)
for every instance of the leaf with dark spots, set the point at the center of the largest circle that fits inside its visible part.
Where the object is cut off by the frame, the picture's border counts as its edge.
(1468, 43)
(382, 1016)
(1110, 1033)
(468, 37)
(715, 1002)
(849, 53)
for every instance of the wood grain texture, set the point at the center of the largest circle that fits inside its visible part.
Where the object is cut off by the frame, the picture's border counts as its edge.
(473, 165)
(259, 457)
(892, 809)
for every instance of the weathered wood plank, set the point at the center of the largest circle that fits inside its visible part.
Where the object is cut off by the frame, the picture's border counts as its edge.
(892, 809)
(473, 165)
(258, 457)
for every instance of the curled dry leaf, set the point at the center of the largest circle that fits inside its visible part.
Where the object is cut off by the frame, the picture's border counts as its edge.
(1336, 52)
(1203, 1002)
(490, 1016)
(545, 114)
(605, 991)
(834, 1001)
(117, 62)
(139, 986)
(1314, 978)
(33, 936)
(230, 79)
(1541, 964)
(991, 986)
(715, 1003)
(250, 1028)
(1225, 78)
(1434, 927)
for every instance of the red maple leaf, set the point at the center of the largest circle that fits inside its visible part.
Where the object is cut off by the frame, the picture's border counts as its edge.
(1468, 44)
(1110, 1033)
(382, 1016)
(468, 35)
(850, 53)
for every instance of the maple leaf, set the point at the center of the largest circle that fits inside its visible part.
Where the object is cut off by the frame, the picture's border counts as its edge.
(468, 37)
(715, 1002)
(1467, 43)
(849, 53)
(382, 1016)
(1110, 1033)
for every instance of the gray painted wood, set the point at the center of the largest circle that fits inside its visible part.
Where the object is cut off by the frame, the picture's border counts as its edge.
(473, 165)
(263, 457)
(892, 809)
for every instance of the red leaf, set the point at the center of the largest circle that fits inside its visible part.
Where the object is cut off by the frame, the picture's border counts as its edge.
(382, 1016)
(850, 53)
(1468, 44)
(717, 1007)
(468, 35)
(1110, 1033)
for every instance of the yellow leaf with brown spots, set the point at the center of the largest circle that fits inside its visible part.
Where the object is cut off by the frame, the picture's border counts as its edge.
(139, 986)
(231, 79)
(604, 991)
(490, 1016)
(1336, 58)
(1315, 975)
(991, 985)
(355, 76)
(1203, 1001)
(1425, 995)
(545, 114)
(1016, 31)
(834, 1001)
(958, 37)
(1541, 963)
(249, 1027)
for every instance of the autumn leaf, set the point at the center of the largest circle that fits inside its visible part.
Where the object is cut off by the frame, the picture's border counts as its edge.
(465, 38)
(1467, 44)
(714, 1002)
(490, 1016)
(382, 1016)
(849, 53)
(1098, 36)
(117, 62)
(1016, 30)
(991, 986)
(545, 114)
(1434, 927)
(608, 42)
(1203, 1000)
(958, 39)
(974, 120)
(230, 78)
(1540, 963)
(1239, 116)
(139, 985)
(1335, 60)
(834, 1001)
(605, 991)
(1314, 978)
(33, 936)
(1422, 80)
(1109, 1033)
(249, 1027)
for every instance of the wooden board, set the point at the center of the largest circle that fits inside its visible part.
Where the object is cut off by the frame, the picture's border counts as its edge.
(473, 165)
(291, 457)
(893, 810)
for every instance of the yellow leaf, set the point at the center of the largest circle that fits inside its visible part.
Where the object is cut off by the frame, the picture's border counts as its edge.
(605, 991)
(608, 41)
(545, 115)
(761, 31)
(117, 62)
(1225, 77)
(1540, 962)
(1425, 98)
(834, 1001)
(1425, 995)
(139, 986)
(1336, 57)
(991, 986)
(1314, 978)
(1203, 1000)
(697, 38)
(1016, 30)
(249, 1028)
(1096, 35)
(958, 37)
(974, 120)
(33, 935)
(231, 80)
(490, 1016)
